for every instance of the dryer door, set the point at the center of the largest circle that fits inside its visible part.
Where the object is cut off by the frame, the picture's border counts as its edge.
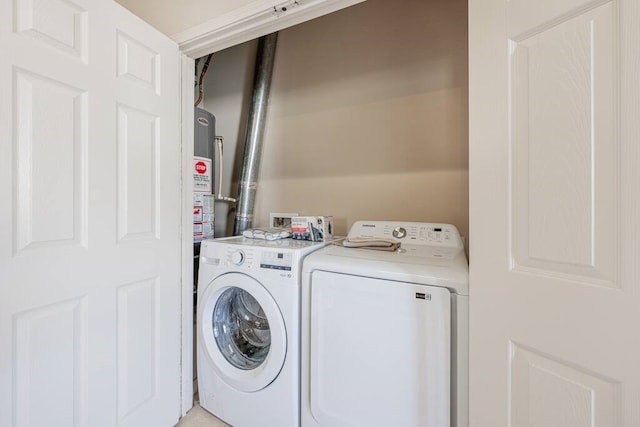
(243, 331)
(377, 352)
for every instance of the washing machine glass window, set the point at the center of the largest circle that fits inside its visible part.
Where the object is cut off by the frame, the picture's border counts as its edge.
(241, 329)
(245, 343)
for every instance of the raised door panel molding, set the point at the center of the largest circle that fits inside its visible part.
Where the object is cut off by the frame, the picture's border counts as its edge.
(138, 337)
(50, 201)
(50, 353)
(58, 23)
(546, 392)
(138, 174)
(526, 17)
(138, 63)
(251, 21)
(565, 153)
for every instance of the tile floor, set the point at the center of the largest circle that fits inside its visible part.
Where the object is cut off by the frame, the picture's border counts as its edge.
(198, 417)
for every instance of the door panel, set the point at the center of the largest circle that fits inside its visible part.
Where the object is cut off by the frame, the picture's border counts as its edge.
(565, 151)
(554, 213)
(547, 392)
(62, 25)
(53, 335)
(50, 120)
(138, 192)
(90, 218)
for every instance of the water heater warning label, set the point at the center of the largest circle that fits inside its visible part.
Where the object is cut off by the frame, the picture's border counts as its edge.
(202, 175)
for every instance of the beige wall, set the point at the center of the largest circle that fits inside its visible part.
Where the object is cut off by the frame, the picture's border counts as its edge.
(368, 116)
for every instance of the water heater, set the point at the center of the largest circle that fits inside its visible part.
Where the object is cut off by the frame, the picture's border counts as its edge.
(204, 133)
(203, 198)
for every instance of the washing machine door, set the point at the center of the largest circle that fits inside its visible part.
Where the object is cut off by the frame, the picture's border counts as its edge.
(243, 331)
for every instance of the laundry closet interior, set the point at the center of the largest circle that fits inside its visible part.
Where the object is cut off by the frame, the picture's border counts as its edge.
(367, 117)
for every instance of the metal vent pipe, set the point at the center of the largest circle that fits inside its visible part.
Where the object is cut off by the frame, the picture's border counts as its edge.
(255, 131)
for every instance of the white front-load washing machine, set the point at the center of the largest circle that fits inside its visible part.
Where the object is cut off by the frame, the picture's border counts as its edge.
(248, 330)
(385, 333)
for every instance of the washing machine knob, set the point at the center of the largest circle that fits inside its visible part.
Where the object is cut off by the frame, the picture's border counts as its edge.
(399, 232)
(237, 257)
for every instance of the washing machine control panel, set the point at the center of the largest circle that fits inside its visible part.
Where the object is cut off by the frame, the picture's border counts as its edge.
(270, 259)
(276, 260)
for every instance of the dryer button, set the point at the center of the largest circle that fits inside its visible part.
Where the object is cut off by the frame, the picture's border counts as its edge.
(237, 257)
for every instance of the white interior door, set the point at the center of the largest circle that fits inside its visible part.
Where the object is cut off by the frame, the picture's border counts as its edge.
(555, 213)
(90, 245)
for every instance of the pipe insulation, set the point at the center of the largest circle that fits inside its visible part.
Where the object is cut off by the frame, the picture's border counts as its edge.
(253, 142)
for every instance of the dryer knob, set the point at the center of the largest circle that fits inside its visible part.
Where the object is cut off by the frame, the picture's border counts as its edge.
(237, 257)
(399, 232)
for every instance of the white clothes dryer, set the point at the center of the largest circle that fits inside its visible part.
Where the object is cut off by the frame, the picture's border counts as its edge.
(248, 330)
(385, 334)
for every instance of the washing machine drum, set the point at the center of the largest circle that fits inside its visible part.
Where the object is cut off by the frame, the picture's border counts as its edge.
(243, 331)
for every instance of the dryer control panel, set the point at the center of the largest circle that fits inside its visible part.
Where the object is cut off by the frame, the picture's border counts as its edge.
(414, 233)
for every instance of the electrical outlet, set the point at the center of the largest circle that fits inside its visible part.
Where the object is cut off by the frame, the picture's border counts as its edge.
(281, 220)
